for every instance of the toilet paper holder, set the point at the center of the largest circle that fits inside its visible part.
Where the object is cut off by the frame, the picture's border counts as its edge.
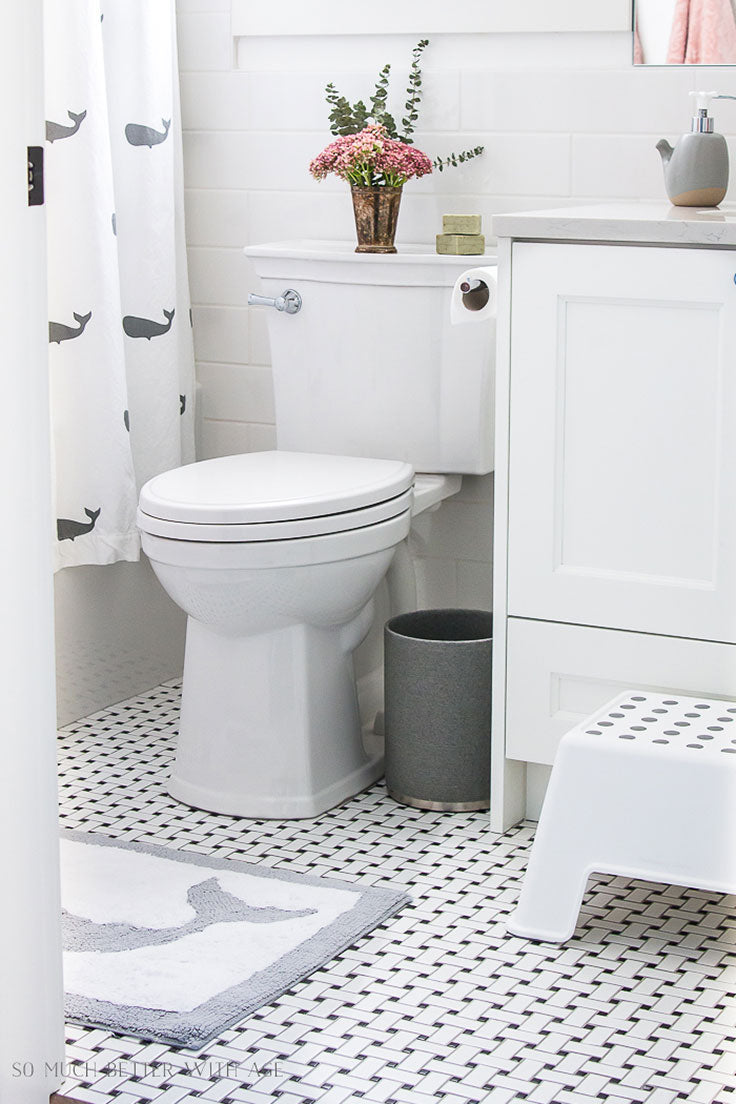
(473, 297)
(476, 294)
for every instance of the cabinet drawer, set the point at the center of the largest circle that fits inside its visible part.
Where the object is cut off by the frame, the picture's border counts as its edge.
(558, 674)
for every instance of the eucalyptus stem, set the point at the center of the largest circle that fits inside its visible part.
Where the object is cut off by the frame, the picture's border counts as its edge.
(346, 118)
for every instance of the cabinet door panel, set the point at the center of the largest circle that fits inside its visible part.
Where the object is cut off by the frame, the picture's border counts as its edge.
(559, 674)
(622, 466)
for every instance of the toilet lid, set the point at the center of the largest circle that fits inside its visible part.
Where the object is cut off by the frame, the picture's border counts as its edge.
(262, 488)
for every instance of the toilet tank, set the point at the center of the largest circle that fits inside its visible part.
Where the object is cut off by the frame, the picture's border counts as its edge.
(371, 365)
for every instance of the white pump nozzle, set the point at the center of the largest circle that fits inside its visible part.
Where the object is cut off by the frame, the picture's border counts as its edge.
(702, 121)
(702, 100)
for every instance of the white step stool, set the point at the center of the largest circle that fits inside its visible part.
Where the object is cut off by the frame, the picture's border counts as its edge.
(644, 788)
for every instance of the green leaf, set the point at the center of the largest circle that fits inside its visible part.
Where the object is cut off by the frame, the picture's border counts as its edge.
(360, 116)
(414, 89)
(455, 159)
(378, 99)
(341, 116)
(390, 124)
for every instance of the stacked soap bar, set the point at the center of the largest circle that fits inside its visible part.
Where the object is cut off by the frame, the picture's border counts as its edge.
(461, 235)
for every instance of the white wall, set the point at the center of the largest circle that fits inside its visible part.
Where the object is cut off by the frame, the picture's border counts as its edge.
(117, 634)
(31, 997)
(564, 118)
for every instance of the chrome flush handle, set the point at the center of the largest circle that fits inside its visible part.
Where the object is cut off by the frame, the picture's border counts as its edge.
(290, 301)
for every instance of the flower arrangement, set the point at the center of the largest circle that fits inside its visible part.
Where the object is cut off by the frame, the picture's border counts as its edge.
(371, 159)
(371, 155)
(346, 118)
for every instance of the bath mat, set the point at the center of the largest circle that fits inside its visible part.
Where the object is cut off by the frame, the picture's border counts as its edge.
(175, 947)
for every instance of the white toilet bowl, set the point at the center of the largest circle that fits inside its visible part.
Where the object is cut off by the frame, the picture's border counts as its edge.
(275, 557)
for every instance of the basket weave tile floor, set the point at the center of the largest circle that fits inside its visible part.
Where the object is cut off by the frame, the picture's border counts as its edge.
(440, 1005)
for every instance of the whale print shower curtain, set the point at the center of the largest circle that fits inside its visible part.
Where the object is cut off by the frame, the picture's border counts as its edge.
(120, 345)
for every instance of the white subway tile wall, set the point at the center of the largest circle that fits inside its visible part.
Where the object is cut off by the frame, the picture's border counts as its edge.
(564, 118)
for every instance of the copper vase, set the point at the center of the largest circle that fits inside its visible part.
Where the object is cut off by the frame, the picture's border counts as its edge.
(376, 214)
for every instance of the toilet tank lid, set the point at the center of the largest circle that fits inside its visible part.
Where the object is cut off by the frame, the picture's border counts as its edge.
(272, 486)
(325, 250)
(337, 262)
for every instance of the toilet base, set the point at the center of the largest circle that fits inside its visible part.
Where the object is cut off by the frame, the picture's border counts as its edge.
(267, 807)
(269, 722)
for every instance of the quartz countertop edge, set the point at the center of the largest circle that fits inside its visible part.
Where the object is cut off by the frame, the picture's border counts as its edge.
(650, 223)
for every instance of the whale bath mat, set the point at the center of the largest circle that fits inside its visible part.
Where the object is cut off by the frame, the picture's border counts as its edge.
(174, 947)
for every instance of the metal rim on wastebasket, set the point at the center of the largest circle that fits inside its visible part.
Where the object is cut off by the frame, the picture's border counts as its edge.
(439, 806)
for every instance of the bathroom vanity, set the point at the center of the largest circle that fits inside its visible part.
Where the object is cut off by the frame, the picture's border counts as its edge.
(615, 517)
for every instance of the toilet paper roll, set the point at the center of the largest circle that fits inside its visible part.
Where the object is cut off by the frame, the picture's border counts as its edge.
(477, 302)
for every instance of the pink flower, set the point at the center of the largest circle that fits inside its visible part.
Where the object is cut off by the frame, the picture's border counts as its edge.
(370, 158)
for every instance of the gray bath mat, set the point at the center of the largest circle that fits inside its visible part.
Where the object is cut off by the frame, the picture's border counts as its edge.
(174, 947)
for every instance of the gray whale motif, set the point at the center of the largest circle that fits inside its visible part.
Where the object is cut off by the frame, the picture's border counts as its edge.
(58, 332)
(68, 529)
(146, 327)
(139, 135)
(182, 403)
(126, 420)
(211, 904)
(55, 131)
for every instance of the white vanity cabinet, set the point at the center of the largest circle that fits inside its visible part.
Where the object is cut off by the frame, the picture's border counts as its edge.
(615, 527)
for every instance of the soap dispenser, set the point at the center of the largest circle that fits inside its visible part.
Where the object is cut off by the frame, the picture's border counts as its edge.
(696, 170)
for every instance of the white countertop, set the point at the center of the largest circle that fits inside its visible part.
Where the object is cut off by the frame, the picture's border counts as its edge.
(629, 222)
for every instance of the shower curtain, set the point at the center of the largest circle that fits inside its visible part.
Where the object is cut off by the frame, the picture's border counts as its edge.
(120, 344)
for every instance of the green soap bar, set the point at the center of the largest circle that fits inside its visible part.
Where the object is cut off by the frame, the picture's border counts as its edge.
(461, 243)
(461, 224)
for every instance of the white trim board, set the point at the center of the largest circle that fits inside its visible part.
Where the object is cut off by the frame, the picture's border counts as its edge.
(420, 17)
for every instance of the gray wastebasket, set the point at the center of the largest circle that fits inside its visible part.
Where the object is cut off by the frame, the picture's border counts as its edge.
(438, 708)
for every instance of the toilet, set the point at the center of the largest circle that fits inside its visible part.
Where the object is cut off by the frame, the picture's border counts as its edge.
(276, 556)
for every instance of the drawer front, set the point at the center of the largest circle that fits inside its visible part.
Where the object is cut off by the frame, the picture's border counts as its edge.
(558, 674)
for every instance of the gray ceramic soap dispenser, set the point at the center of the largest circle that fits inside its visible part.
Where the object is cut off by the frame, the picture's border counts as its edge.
(696, 170)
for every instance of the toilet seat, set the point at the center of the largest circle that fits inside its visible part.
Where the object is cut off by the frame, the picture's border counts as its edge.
(270, 496)
(250, 555)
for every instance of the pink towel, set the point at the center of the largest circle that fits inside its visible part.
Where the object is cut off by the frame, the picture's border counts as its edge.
(703, 32)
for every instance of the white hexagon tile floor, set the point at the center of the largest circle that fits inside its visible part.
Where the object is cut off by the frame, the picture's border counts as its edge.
(439, 1004)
